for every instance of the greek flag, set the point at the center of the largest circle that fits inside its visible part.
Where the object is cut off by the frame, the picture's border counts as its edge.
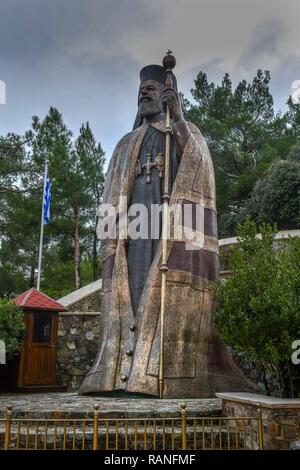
(47, 199)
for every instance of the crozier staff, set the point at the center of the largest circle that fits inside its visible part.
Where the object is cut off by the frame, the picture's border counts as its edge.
(171, 99)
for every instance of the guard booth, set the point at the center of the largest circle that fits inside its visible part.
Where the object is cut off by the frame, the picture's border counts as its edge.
(37, 364)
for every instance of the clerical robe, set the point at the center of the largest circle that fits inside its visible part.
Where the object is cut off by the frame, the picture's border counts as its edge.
(141, 251)
(196, 362)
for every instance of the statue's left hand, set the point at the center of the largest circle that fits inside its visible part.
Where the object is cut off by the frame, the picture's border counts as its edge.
(171, 98)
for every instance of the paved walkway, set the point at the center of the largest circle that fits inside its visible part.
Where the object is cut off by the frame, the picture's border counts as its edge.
(60, 405)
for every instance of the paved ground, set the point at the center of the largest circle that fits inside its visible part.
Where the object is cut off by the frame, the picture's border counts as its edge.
(48, 405)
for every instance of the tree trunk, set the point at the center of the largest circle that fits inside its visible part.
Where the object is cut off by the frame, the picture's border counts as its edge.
(31, 282)
(77, 249)
(291, 382)
(265, 379)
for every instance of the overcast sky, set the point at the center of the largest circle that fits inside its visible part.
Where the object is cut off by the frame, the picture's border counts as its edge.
(84, 56)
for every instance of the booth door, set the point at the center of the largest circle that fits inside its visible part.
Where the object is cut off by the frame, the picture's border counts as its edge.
(39, 349)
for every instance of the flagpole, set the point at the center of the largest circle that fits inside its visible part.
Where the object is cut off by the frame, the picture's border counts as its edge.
(42, 230)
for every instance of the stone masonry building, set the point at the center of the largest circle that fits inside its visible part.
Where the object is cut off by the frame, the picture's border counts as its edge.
(78, 334)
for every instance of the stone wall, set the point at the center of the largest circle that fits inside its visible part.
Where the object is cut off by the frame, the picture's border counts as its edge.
(266, 379)
(280, 417)
(90, 303)
(78, 342)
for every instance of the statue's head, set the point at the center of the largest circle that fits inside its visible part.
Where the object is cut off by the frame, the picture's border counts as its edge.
(150, 103)
(150, 98)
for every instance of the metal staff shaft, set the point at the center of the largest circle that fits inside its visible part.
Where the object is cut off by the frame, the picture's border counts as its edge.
(164, 267)
(169, 63)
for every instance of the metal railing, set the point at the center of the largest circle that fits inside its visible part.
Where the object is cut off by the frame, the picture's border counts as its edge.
(182, 433)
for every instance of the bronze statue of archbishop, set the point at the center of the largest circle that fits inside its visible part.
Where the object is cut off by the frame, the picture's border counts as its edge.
(196, 362)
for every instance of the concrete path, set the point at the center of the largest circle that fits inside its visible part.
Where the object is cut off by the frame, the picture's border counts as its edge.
(63, 405)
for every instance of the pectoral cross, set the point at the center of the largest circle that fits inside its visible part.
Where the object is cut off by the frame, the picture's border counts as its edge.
(159, 164)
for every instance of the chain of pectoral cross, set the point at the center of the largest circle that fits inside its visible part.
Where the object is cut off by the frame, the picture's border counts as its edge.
(158, 164)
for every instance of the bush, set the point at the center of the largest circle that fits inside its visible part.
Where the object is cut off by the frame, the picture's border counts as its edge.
(258, 307)
(276, 196)
(11, 326)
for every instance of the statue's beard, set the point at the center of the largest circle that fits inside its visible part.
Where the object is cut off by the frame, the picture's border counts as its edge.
(150, 108)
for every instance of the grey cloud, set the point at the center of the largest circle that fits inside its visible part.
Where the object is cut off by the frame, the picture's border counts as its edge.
(72, 55)
(212, 68)
(282, 76)
(263, 52)
(34, 30)
(264, 43)
(80, 57)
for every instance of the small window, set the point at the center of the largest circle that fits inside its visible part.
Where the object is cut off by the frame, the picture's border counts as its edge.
(42, 328)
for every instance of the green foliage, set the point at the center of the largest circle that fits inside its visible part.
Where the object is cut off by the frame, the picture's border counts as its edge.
(11, 326)
(12, 161)
(294, 118)
(244, 137)
(294, 153)
(258, 307)
(20, 204)
(276, 196)
(58, 278)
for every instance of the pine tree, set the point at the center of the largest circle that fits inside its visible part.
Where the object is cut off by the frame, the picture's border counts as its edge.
(76, 169)
(93, 158)
(244, 136)
(76, 178)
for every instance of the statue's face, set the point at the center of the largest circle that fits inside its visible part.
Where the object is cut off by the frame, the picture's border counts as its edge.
(150, 98)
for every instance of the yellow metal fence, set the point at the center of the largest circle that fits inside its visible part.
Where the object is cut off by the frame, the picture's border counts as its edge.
(182, 433)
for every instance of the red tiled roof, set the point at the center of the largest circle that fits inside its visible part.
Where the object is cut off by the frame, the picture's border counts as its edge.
(38, 301)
